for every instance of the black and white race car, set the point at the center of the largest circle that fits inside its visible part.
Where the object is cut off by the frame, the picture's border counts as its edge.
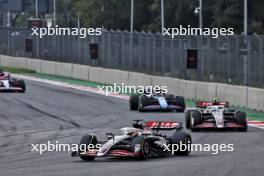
(158, 102)
(141, 141)
(215, 115)
(11, 84)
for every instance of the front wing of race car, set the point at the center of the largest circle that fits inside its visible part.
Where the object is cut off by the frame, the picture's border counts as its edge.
(112, 153)
(211, 124)
(161, 103)
(159, 107)
(10, 89)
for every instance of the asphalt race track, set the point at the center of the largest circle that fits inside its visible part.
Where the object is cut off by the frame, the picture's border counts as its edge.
(53, 113)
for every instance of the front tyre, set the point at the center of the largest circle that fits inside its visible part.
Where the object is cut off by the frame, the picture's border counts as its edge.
(180, 101)
(145, 150)
(22, 85)
(241, 119)
(84, 143)
(133, 102)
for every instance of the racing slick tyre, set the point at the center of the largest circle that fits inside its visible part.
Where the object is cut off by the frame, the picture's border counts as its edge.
(196, 119)
(140, 108)
(141, 103)
(84, 143)
(241, 119)
(182, 141)
(144, 147)
(22, 85)
(188, 119)
(133, 102)
(180, 102)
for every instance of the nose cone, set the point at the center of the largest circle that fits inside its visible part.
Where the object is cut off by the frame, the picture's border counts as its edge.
(219, 118)
(163, 103)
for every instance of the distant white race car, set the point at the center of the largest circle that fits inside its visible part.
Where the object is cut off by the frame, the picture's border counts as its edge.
(8, 83)
(213, 115)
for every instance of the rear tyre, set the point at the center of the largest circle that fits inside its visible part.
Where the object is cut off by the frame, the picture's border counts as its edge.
(241, 119)
(22, 85)
(180, 102)
(133, 102)
(84, 143)
(184, 140)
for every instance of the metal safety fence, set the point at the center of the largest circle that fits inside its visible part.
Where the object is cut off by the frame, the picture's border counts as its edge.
(229, 59)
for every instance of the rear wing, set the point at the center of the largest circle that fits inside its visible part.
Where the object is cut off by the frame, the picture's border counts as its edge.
(204, 104)
(162, 125)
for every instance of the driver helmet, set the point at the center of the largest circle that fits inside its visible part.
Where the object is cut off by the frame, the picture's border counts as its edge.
(148, 90)
(215, 101)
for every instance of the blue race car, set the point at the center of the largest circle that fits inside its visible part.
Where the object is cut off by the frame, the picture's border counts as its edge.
(158, 102)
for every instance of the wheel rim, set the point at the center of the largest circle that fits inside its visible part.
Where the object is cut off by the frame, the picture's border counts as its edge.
(146, 148)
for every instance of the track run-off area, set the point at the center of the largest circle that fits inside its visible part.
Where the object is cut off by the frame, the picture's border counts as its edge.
(50, 111)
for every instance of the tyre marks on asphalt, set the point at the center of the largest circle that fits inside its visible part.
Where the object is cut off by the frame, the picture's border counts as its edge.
(47, 114)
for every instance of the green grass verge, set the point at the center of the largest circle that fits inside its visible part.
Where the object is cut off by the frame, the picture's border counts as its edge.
(190, 103)
(66, 80)
(72, 81)
(16, 70)
(252, 114)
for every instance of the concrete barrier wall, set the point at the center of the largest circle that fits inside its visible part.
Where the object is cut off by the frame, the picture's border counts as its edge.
(80, 72)
(260, 100)
(95, 74)
(206, 91)
(256, 98)
(48, 67)
(139, 79)
(237, 95)
(222, 92)
(16, 62)
(63, 69)
(108, 76)
(254, 95)
(33, 64)
(188, 89)
(163, 81)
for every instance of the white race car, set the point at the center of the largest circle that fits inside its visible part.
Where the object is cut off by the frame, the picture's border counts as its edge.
(8, 83)
(140, 141)
(213, 115)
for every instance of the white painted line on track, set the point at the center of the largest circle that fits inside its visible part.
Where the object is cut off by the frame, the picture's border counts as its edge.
(256, 126)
